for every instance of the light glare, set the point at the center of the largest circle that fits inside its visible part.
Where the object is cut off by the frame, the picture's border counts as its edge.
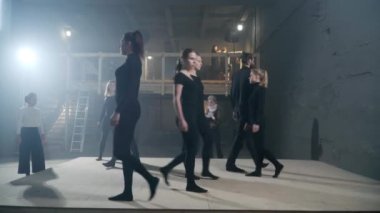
(68, 33)
(27, 56)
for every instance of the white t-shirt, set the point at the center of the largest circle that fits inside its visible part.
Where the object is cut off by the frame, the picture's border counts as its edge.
(30, 117)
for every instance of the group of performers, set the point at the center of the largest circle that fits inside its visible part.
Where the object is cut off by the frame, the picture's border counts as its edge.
(122, 106)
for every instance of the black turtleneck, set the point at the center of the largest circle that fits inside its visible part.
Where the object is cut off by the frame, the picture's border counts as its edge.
(128, 83)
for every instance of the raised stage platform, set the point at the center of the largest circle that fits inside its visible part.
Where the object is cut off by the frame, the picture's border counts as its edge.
(83, 185)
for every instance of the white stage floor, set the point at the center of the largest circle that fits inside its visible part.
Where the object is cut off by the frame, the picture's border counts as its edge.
(303, 185)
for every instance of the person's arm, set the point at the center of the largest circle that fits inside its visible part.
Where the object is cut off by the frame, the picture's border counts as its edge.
(19, 125)
(178, 107)
(234, 91)
(41, 128)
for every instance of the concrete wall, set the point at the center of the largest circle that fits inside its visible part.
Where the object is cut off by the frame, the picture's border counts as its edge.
(7, 91)
(323, 62)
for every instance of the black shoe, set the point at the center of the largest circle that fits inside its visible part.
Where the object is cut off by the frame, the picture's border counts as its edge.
(195, 188)
(210, 175)
(165, 175)
(234, 168)
(99, 158)
(195, 177)
(278, 170)
(264, 165)
(122, 197)
(110, 163)
(254, 174)
(153, 187)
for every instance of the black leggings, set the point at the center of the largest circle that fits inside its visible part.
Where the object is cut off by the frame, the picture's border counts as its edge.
(30, 146)
(123, 137)
(197, 125)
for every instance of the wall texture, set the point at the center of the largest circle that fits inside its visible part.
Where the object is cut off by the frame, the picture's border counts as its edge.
(323, 63)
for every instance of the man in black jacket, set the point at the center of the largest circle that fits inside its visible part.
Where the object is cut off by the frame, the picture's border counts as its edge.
(240, 91)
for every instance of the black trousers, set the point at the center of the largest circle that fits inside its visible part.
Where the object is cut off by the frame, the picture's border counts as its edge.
(238, 145)
(215, 135)
(262, 152)
(206, 134)
(106, 128)
(198, 125)
(30, 146)
(123, 137)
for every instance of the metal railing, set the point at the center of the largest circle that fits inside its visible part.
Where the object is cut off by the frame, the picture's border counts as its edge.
(92, 70)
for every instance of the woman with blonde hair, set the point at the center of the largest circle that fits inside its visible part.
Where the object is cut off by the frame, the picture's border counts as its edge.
(213, 118)
(256, 121)
(107, 110)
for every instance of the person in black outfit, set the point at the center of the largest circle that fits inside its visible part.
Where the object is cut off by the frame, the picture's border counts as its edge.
(240, 90)
(127, 113)
(109, 107)
(30, 137)
(188, 103)
(256, 122)
(213, 118)
(203, 125)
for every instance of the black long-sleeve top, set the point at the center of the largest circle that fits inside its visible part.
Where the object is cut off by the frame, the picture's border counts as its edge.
(239, 83)
(128, 83)
(235, 90)
(109, 107)
(256, 102)
(245, 89)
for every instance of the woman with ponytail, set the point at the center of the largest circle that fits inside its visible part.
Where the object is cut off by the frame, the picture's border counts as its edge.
(188, 104)
(127, 114)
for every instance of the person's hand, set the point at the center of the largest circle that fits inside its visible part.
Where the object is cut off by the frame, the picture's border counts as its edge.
(183, 126)
(255, 128)
(115, 118)
(234, 116)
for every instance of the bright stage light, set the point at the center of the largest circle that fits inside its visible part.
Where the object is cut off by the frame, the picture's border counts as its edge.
(240, 27)
(68, 33)
(150, 57)
(27, 56)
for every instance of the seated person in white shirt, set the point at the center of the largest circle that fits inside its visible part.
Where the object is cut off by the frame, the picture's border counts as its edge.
(30, 137)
